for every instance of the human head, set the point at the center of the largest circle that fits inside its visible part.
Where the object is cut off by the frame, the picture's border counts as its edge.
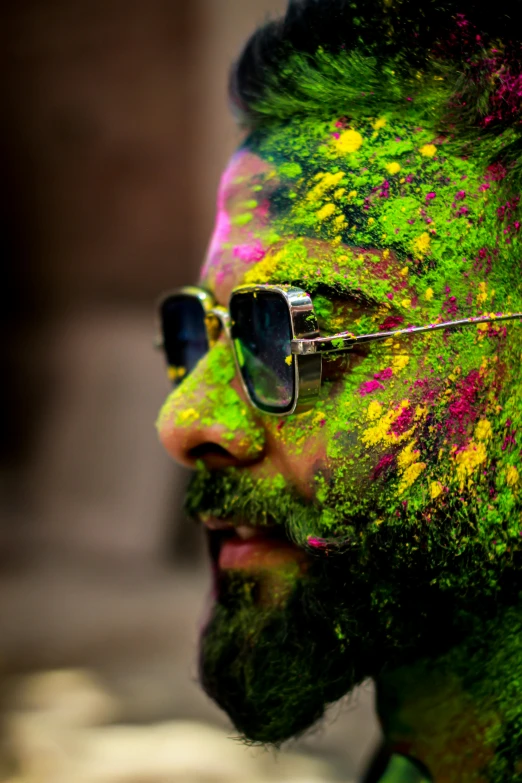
(381, 173)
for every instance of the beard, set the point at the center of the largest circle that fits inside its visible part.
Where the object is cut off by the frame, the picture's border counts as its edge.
(275, 665)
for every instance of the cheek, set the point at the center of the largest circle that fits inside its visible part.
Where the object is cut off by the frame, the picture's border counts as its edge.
(298, 449)
(397, 426)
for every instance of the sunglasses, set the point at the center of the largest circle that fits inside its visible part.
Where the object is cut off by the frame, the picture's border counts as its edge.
(275, 338)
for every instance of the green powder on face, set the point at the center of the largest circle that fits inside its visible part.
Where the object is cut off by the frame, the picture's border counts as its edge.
(220, 405)
(402, 770)
(413, 430)
(242, 219)
(414, 444)
(290, 170)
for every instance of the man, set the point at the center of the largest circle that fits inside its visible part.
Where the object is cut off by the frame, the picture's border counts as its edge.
(365, 522)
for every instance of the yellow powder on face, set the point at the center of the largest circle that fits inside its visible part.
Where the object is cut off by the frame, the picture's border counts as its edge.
(263, 271)
(422, 244)
(435, 489)
(176, 373)
(393, 168)
(380, 432)
(483, 293)
(512, 476)
(326, 211)
(410, 475)
(469, 459)
(349, 141)
(374, 410)
(408, 455)
(429, 150)
(399, 363)
(380, 123)
(483, 430)
(326, 182)
(428, 294)
(188, 416)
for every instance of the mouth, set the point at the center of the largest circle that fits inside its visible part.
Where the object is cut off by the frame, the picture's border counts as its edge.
(243, 547)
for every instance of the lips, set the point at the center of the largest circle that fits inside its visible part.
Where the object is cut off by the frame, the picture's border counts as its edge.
(243, 547)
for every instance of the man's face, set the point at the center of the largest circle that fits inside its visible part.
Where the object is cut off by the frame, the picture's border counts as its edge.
(337, 535)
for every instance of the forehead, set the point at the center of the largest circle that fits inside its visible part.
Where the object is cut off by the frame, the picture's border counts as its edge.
(375, 196)
(242, 233)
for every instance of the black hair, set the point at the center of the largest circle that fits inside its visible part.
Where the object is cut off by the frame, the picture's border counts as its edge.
(409, 33)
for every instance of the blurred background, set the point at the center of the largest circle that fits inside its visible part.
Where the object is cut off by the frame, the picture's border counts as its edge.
(115, 130)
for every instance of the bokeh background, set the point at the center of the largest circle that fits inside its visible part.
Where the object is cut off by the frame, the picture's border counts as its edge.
(115, 128)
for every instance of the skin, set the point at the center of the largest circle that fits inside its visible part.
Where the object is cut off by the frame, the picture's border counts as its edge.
(407, 465)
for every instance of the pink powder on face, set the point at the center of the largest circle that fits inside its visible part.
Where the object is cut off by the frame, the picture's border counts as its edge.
(370, 386)
(262, 211)
(222, 227)
(390, 323)
(383, 375)
(404, 421)
(219, 237)
(386, 462)
(463, 410)
(317, 543)
(220, 276)
(249, 253)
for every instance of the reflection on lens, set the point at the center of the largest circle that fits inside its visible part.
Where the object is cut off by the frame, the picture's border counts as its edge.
(262, 333)
(184, 334)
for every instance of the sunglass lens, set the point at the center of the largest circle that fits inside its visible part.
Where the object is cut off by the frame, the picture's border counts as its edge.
(184, 334)
(262, 333)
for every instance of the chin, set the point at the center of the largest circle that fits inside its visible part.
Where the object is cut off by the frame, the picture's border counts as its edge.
(271, 655)
(291, 633)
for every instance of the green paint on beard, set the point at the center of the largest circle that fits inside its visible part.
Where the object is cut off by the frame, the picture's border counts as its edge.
(272, 669)
(459, 552)
(402, 770)
(374, 602)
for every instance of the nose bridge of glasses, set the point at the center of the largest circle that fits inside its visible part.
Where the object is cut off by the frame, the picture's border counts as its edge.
(220, 315)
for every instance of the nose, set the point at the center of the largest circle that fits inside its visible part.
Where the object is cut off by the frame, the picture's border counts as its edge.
(208, 417)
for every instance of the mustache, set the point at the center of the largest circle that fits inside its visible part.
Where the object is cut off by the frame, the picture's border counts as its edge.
(234, 496)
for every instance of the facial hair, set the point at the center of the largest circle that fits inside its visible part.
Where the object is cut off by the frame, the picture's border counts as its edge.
(274, 667)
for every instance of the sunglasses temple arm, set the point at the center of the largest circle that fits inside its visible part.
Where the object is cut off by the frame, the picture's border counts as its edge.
(345, 340)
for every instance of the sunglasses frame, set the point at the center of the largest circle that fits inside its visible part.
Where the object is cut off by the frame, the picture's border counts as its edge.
(303, 323)
(307, 345)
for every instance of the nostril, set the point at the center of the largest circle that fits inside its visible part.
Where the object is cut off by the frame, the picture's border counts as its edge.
(214, 456)
(203, 450)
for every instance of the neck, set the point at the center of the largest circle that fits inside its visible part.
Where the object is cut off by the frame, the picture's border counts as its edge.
(460, 714)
